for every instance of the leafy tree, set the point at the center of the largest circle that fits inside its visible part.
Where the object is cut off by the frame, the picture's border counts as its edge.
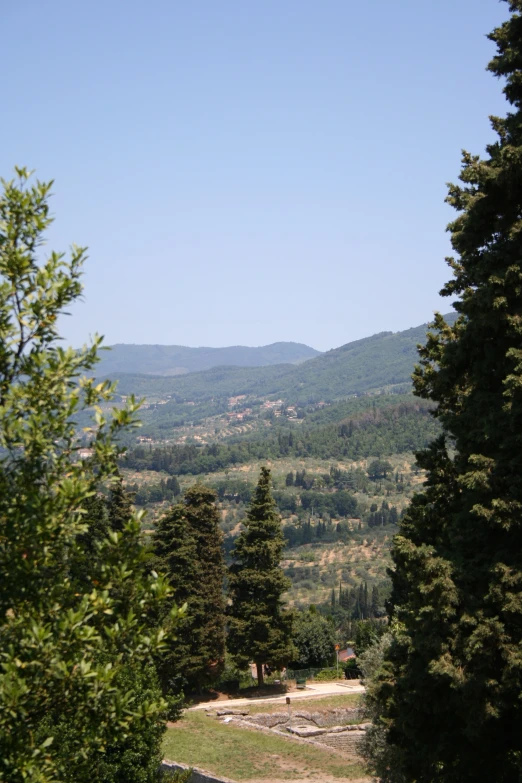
(450, 692)
(65, 644)
(314, 638)
(128, 758)
(188, 545)
(85, 563)
(379, 469)
(260, 629)
(172, 483)
(366, 633)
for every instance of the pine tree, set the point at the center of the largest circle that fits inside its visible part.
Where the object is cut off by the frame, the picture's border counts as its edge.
(189, 550)
(450, 690)
(260, 629)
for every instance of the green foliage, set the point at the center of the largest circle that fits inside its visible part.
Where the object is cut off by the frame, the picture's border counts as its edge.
(379, 469)
(367, 633)
(314, 638)
(327, 675)
(260, 629)
(382, 758)
(156, 493)
(119, 507)
(385, 515)
(450, 688)
(67, 640)
(128, 758)
(189, 550)
(396, 428)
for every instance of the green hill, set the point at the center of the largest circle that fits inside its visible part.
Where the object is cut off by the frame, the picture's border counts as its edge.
(393, 424)
(383, 361)
(172, 360)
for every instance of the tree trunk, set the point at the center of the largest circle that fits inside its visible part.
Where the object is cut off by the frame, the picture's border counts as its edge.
(260, 679)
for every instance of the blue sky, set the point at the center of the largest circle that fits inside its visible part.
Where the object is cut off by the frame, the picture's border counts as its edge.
(248, 171)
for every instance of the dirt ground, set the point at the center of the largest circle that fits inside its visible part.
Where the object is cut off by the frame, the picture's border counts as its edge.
(312, 690)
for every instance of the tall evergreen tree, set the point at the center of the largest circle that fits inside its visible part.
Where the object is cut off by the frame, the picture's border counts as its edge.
(119, 506)
(260, 629)
(450, 690)
(375, 602)
(188, 545)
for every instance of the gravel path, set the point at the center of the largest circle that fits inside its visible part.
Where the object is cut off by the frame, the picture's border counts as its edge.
(315, 689)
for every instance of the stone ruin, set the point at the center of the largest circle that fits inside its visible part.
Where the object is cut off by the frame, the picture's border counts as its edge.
(341, 729)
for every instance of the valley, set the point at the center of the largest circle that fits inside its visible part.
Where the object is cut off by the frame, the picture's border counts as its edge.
(343, 463)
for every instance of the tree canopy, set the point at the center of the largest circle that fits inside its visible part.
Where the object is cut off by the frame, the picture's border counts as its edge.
(314, 638)
(260, 629)
(188, 545)
(450, 687)
(68, 639)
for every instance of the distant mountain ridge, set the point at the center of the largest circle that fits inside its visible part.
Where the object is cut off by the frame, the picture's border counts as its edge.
(172, 360)
(382, 361)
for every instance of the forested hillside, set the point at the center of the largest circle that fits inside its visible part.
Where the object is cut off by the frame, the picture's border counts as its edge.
(383, 360)
(400, 427)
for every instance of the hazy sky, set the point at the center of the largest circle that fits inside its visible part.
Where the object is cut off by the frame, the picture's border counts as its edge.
(248, 171)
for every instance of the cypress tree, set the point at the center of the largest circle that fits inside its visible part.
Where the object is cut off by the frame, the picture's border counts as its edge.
(189, 549)
(260, 629)
(120, 505)
(360, 603)
(450, 690)
(375, 602)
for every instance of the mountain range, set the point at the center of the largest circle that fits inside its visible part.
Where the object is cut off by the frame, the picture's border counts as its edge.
(383, 361)
(171, 360)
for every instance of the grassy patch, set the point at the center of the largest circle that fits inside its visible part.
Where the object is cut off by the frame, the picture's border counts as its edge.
(243, 754)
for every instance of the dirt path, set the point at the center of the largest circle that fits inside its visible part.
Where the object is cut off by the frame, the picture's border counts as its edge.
(311, 691)
(312, 779)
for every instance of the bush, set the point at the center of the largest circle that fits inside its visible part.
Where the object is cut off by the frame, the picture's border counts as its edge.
(325, 675)
(350, 668)
(233, 678)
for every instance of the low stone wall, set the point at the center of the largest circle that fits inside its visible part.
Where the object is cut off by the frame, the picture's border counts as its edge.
(348, 741)
(323, 719)
(198, 775)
